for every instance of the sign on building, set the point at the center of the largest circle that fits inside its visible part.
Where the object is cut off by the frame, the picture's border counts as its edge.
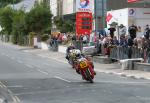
(83, 6)
(83, 23)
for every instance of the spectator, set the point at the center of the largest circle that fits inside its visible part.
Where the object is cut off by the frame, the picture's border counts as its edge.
(85, 39)
(112, 30)
(64, 37)
(81, 37)
(130, 44)
(123, 41)
(98, 44)
(122, 30)
(132, 31)
(147, 32)
(74, 38)
(115, 41)
(135, 43)
(139, 42)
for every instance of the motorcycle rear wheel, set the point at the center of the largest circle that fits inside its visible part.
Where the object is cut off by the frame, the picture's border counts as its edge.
(90, 79)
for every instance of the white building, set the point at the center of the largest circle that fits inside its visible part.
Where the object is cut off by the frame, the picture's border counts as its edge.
(69, 6)
(53, 7)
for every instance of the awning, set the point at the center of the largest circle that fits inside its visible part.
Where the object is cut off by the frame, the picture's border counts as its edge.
(138, 1)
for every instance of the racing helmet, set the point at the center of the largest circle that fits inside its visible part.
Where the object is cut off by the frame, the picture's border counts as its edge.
(77, 53)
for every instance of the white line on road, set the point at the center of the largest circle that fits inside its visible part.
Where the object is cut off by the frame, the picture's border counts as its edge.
(65, 62)
(19, 61)
(2, 85)
(125, 82)
(17, 99)
(7, 55)
(15, 86)
(42, 56)
(30, 66)
(1, 100)
(12, 58)
(42, 72)
(62, 79)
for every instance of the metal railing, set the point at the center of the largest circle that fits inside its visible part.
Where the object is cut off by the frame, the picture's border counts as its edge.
(119, 53)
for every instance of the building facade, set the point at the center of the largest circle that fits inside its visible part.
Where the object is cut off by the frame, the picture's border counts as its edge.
(113, 5)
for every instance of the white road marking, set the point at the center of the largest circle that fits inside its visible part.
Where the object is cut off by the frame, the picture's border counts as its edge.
(2, 85)
(19, 61)
(14, 99)
(12, 58)
(65, 62)
(15, 86)
(1, 100)
(17, 99)
(42, 72)
(42, 56)
(7, 55)
(131, 83)
(30, 66)
(62, 79)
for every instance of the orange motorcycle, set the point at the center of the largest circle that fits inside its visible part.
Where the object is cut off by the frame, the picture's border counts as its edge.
(86, 69)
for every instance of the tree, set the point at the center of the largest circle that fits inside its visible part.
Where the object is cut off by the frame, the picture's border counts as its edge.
(64, 26)
(68, 26)
(39, 19)
(6, 19)
(19, 29)
(58, 22)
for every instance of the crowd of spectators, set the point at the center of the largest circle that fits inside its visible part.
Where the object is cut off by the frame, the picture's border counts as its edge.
(105, 41)
(135, 39)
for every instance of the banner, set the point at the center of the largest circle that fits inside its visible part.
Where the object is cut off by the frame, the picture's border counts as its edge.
(108, 17)
(132, 1)
(83, 6)
(83, 23)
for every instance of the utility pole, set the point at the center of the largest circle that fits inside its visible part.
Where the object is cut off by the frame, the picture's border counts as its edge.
(103, 16)
(95, 15)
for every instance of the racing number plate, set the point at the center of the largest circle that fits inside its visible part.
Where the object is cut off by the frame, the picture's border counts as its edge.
(83, 64)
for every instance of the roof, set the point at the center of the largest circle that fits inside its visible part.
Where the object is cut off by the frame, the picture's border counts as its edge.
(27, 5)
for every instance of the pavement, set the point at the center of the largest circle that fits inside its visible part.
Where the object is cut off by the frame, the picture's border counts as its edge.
(103, 68)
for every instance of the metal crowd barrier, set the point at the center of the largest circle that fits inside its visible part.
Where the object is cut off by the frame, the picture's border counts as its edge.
(119, 53)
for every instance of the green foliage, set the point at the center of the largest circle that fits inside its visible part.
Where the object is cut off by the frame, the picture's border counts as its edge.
(58, 22)
(39, 18)
(68, 26)
(15, 37)
(64, 26)
(20, 24)
(6, 19)
(45, 37)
